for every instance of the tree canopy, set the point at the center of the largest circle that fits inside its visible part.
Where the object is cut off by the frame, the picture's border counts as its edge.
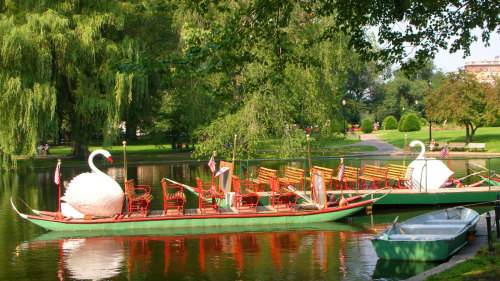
(463, 99)
(66, 65)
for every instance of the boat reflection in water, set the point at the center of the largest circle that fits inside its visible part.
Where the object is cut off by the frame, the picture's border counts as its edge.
(400, 270)
(315, 251)
(93, 258)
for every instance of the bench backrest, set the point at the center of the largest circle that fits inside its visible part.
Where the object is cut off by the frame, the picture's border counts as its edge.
(374, 171)
(171, 186)
(236, 184)
(477, 145)
(351, 172)
(399, 172)
(266, 174)
(294, 174)
(130, 188)
(327, 173)
(456, 144)
(274, 184)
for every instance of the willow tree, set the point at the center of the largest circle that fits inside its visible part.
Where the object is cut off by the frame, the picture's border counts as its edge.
(64, 65)
(275, 72)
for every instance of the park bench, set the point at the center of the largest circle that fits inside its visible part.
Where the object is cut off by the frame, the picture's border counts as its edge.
(476, 146)
(209, 196)
(293, 176)
(173, 197)
(281, 196)
(456, 145)
(398, 174)
(373, 174)
(351, 176)
(138, 201)
(327, 174)
(245, 199)
(263, 177)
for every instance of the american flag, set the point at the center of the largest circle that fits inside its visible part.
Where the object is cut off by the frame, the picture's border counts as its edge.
(211, 164)
(57, 174)
(444, 152)
(341, 172)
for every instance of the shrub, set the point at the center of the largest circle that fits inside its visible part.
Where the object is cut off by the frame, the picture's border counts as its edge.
(423, 122)
(390, 123)
(367, 126)
(411, 123)
(401, 122)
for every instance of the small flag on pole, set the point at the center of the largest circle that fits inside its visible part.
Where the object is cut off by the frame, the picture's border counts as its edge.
(57, 173)
(222, 171)
(444, 152)
(341, 172)
(211, 164)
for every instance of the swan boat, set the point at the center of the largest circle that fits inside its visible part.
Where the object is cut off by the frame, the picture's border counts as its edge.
(432, 236)
(265, 215)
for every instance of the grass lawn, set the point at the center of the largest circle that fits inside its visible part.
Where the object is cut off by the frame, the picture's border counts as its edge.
(484, 266)
(143, 152)
(490, 136)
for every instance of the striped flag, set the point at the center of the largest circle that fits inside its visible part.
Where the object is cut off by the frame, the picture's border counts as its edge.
(445, 151)
(57, 174)
(211, 164)
(341, 172)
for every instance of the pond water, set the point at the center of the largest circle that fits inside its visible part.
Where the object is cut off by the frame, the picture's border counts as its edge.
(326, 251)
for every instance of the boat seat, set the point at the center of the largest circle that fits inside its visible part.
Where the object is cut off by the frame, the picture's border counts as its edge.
(445, 221)
(430, 229)
(410, 237)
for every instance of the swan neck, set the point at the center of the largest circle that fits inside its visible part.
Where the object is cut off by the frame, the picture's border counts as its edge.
(422, 151)
(91, 164)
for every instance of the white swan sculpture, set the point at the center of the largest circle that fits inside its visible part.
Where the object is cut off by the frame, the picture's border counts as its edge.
(428, 173)
(95, 193)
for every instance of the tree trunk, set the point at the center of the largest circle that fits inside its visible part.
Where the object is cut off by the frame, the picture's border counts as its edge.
(79, 147)
(467, 131)
(130, 128)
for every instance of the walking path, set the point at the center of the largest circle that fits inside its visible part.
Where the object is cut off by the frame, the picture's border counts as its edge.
(383, 148)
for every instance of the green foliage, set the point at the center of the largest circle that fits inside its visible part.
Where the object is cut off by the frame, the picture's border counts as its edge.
(367, 126)
(75, 68)
(463, 99)
(390, 123)
(411, 123)
(423, 122)
(401, 123)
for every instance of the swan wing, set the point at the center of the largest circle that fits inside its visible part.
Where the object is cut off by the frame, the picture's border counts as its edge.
(94, 194)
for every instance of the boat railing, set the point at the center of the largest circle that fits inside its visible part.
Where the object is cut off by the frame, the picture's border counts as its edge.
(463, 171)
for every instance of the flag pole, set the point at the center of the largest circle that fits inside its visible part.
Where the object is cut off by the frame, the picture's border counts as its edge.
(404, 149)
(125, 160)
(310, 162)
(59, 177)
(341, 189)
(234, 148)
(213, 173)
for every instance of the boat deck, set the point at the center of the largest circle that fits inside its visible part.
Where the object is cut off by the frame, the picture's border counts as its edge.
(416, 191)
(196, 212)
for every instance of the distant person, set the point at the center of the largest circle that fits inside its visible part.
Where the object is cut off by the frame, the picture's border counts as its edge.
(46, 149)
(432, 145)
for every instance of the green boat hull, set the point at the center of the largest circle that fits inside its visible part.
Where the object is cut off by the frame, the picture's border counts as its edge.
(195, 221)
(418, 250)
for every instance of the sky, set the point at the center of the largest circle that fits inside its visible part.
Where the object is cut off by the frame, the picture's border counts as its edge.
(478, 52)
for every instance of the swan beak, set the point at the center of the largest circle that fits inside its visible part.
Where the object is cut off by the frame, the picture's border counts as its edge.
(409, 148)
(110, 159)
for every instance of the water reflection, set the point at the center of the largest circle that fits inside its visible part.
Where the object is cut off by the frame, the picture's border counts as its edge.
(253, 252)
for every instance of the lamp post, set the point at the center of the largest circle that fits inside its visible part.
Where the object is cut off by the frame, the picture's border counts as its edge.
(343, 117)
